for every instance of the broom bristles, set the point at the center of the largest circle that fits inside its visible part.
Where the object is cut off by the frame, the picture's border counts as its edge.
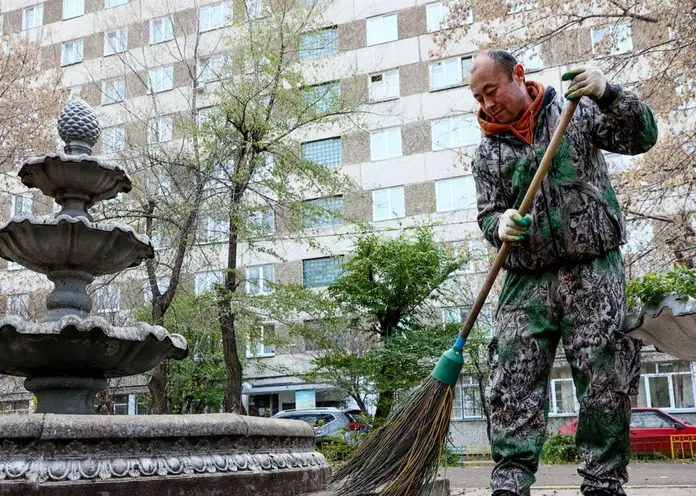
(403, 454)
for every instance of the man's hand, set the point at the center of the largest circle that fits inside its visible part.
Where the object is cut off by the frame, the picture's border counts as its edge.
(585, 81)
(513, 227)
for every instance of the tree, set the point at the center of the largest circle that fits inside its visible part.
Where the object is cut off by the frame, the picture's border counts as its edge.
(254, 135)
(29, 103)
(646, 45)
(195, 385)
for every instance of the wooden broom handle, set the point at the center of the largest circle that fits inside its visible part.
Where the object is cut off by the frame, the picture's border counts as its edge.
(526, 204)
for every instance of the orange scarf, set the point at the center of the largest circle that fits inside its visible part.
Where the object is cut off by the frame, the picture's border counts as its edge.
(523, 128)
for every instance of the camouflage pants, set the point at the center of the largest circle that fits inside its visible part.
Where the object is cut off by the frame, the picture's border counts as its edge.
(581, 306)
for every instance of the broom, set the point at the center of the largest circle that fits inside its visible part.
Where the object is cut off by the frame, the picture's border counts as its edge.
(403, 453)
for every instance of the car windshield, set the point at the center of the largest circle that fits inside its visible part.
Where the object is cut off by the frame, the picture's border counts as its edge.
(313, 419)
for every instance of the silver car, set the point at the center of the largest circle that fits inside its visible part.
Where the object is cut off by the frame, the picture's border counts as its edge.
(327, 421)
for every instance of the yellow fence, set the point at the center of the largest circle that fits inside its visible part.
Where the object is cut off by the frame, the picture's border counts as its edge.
(683, 446)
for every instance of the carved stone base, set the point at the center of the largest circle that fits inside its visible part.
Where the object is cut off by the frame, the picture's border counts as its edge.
(196, 455)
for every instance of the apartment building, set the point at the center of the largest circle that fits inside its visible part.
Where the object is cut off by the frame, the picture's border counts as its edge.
(411, 159)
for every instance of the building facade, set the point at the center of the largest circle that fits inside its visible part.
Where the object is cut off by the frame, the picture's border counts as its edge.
(410, 157)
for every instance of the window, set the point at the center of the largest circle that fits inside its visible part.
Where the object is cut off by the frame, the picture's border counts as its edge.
(115, 41)
(254, 8)
(205, 116)
(450, 72)
(161, 79)
(477, 255)
(215, 16)
(160, 129)
(563, 397)
(107, 298)
(262, 222)
(531, 59)
(114, 3)
(613, 39)
(325, 212)
(384, 86)
(616, 162)
(73, 8)
(467, 399)
(260, 279)
(650, 420)
(162, 285)
(388, 204)
(2, 24)
(71, 52)
(321, 272)
(668, 386)
(212, 230)
(322, 97)
(211, 69)
(382, 29)
(113, 90)
(458, 315)
(458, 193)
(113, 139)
(438, 12)
(455, 132)
(161, 30)
(22, 204)
(206, 280)
(260, 346)
(32, 17)
(385, 143)
(74, 92)
(517, 6)
(18, 304)
(319, 43)
(323, 152)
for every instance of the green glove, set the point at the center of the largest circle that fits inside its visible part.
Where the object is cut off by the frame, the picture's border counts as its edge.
(585, 81)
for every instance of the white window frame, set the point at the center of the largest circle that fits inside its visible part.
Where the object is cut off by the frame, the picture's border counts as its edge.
(392, 212)
(453, 72)
(113, 91)
(438, 12)
(448, 199)
(384, 86)
(26, 205)
(531, 59)
(312, 52)
(160, 129)
(217, 230)
(73, 8)
(258, 217)
(207, 278)
(524, 6)
(108, 4)
(72, 52)
(382, 29)
(211, 69)
(162, 26)
(74, 92)
(385, 144)
(453, 132)
(262, 349)
(214, 16)
(121, 36)
(645, 378)
(253, 9)
(458, 406)
(121, 130)
(261, 282)
(32, 17)
(553, 410)
(161, 79)
(616, 44)
(162, 284)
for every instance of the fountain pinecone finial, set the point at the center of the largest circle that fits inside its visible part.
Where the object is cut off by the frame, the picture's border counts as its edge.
(78, 127)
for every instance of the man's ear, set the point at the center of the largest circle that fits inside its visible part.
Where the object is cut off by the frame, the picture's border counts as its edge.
(518, 73)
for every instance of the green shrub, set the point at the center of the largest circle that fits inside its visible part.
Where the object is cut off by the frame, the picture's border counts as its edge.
(558, 449)
(450, 458)
(338, 449)
(651, 288)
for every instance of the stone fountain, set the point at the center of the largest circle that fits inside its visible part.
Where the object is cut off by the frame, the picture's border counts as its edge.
(64, 448)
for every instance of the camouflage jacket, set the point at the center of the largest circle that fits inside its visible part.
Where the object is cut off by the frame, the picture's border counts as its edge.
(576, 213)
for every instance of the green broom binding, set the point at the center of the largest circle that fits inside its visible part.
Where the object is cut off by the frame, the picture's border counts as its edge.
(403, 454)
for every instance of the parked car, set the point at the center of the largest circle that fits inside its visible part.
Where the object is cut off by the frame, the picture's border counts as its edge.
(651, 431)
(327, 421)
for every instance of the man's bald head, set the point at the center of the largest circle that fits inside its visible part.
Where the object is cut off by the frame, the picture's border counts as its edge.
(498, 84)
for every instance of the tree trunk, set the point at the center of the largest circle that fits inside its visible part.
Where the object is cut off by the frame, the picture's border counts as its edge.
(158, 379)
(385, 401)
(233, 366)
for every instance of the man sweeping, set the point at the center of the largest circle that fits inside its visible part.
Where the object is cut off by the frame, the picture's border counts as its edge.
(565, 276)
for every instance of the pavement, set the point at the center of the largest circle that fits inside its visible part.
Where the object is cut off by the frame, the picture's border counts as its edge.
(645, 479)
